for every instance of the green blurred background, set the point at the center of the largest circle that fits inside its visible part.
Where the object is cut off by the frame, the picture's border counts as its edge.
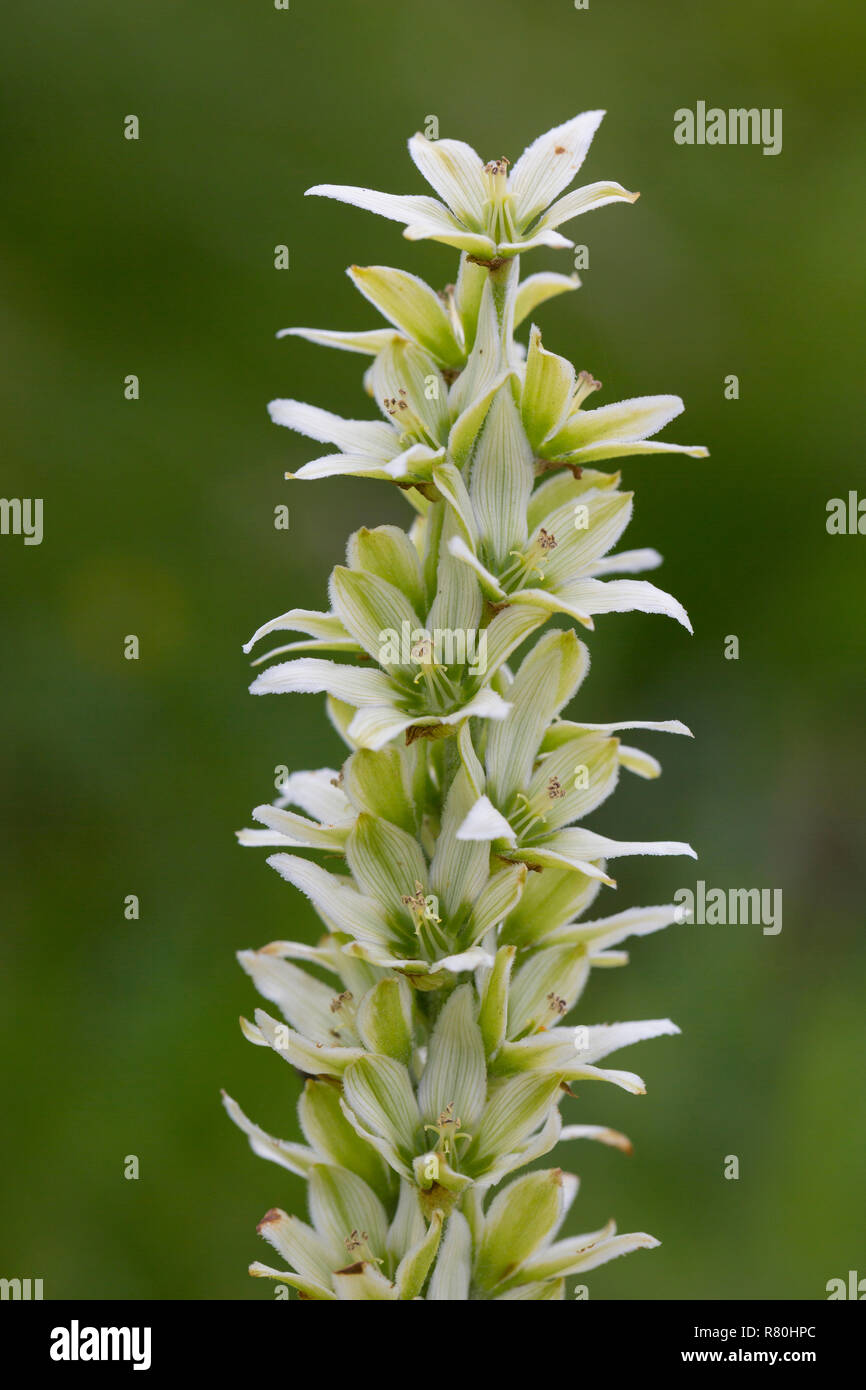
(119, 777)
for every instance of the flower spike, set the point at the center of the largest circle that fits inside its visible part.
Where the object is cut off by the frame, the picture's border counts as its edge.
(448, 856)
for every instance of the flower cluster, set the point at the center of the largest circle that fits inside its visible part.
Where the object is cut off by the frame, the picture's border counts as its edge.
(434, 1019)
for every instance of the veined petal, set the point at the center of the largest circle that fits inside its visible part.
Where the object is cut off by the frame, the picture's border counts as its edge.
(452, 1274)
(623, 596)
(550, 900)
(454, 1080)
(287, 828)
(536, 289)
(410, 304)
(388, 553)
(411, 391)
(564, 729)
(539, 236)
(484, 364)
(300, 1246)
(370, 341)
(489, 583)
(379, 1092)
(547, 679)
(515, 1109)
(545, 986)
(550, 163)
(493, 1013)
(384, 1019)
(611, 1137)
(310, 675)
(629, 420)
(560, 488)
(456, 172)
(500, 894)
(547, 390)
(324, 625)
(373, 728)
(637, 761)
(518, 1221)
(581, 1253)
(450, 484)
(316, 1059)
(459, 870)
(457, 613)
(305, 1002)
(334, 1139)
(372, 437)
(296, 1157)
(386, 863)
(467, 426)
(601, 1039)
(614, 449)
(381, 784)
(506, 632)
(573, 779)
(583, 531)
(627, 562)
(341, 1204)
(556, 1052)
(484, 823)
(423, 217)
(353, 466)
(586, 199)
(376, 614)
(316, 1293)
(413, 1269)
(502, 477)
(609, 931)
(319, 794)
(586, 844)
(363, 1283)
(473, 959)
(341, 906)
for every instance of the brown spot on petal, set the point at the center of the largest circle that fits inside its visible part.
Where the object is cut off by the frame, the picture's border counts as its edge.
(560, 149)
(352, 1269)
(270, 1218)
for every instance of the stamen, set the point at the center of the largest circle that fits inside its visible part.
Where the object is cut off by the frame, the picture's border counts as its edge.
(584, 386)
(448, 1130)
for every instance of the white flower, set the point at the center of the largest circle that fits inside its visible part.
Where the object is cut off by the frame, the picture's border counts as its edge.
(489, 210)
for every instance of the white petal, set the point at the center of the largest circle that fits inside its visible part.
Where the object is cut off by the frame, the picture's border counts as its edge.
(298, 1158)
(484, 822)
(535, 289)
(369, 342)
(624, 420)
(586, 199)
(456, 172)
(627, 562)
(311, 675)
(423, 217)
(623, 596)
(374, 437)
(324, 625)
(466, 960)
(550, 163)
